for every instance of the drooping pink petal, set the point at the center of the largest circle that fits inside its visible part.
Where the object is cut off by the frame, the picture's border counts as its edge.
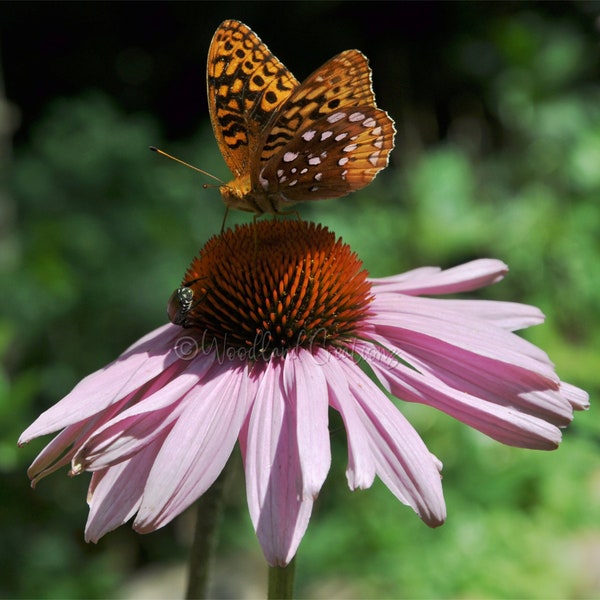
(402, 460)
(529, 385)
(361, 464)
(58, 452)
(305, 389)
(197, 447)
(511, 316)
(507, 315)
(443, 332)
(132, 429)
(430, 280)
(578, 398)
(115, 493)
(501, 423)
(121, 440)
(147, 358)
(273, 472)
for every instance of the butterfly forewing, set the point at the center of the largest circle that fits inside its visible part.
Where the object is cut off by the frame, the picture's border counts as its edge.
(246, 85)
(337, 154)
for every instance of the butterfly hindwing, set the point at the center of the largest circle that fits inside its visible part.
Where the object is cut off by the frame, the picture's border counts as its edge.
(335, 155)
(344, 80)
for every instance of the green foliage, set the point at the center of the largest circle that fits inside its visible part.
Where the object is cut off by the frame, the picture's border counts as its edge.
(105, 230)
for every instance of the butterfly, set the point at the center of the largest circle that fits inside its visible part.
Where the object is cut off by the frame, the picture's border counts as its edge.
(285, 141)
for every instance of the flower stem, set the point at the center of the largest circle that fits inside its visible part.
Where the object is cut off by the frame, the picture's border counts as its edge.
(281, 581)
(210, 510)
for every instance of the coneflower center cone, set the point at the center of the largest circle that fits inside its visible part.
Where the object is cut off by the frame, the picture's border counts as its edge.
(275, 285)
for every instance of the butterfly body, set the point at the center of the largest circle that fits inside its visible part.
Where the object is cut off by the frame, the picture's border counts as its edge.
(242, 194)
(285, 141)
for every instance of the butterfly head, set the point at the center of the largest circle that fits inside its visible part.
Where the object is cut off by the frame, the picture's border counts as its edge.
(242, 195)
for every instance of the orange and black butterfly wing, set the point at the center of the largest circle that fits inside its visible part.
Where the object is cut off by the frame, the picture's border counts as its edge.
(246, 86)
(344, 80)
(329, 138)
(337, 154)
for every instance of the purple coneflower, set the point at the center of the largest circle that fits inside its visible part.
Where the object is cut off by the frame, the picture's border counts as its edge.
(278, 318)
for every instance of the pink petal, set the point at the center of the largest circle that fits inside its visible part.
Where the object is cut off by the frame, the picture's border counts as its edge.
(273, 472)
(501, 423)
(361, 464)
(122, 439)
(197, 447)
(510, 378)
(507, 315)
(147, 358)
(115, 493)
(578, 398)
(446, 332)
(132, 429)
(418, 274)
(429, 280)
(402, 460)
(305, 389)
(58, 452)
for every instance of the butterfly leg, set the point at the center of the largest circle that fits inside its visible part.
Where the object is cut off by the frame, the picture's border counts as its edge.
(224, 219)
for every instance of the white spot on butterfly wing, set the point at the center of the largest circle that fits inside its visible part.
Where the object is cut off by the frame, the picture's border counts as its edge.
(342, 161)
(374, 158)
(350, 147)
(326, 134)
(290, 156)
(307, 136)
(281, 177)
(357, 116)
(335, 117)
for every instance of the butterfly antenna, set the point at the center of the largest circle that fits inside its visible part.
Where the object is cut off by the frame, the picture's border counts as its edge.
(182, 162)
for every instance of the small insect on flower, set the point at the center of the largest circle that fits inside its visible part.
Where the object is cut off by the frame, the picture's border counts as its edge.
(182, 302)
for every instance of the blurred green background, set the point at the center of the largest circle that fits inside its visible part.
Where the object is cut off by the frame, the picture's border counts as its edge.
(497, 107)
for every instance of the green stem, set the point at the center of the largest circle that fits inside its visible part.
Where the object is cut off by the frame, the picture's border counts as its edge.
(210, 510)
(281, 581)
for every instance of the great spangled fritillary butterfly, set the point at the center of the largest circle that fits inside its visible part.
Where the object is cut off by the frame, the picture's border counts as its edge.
(286, 141)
